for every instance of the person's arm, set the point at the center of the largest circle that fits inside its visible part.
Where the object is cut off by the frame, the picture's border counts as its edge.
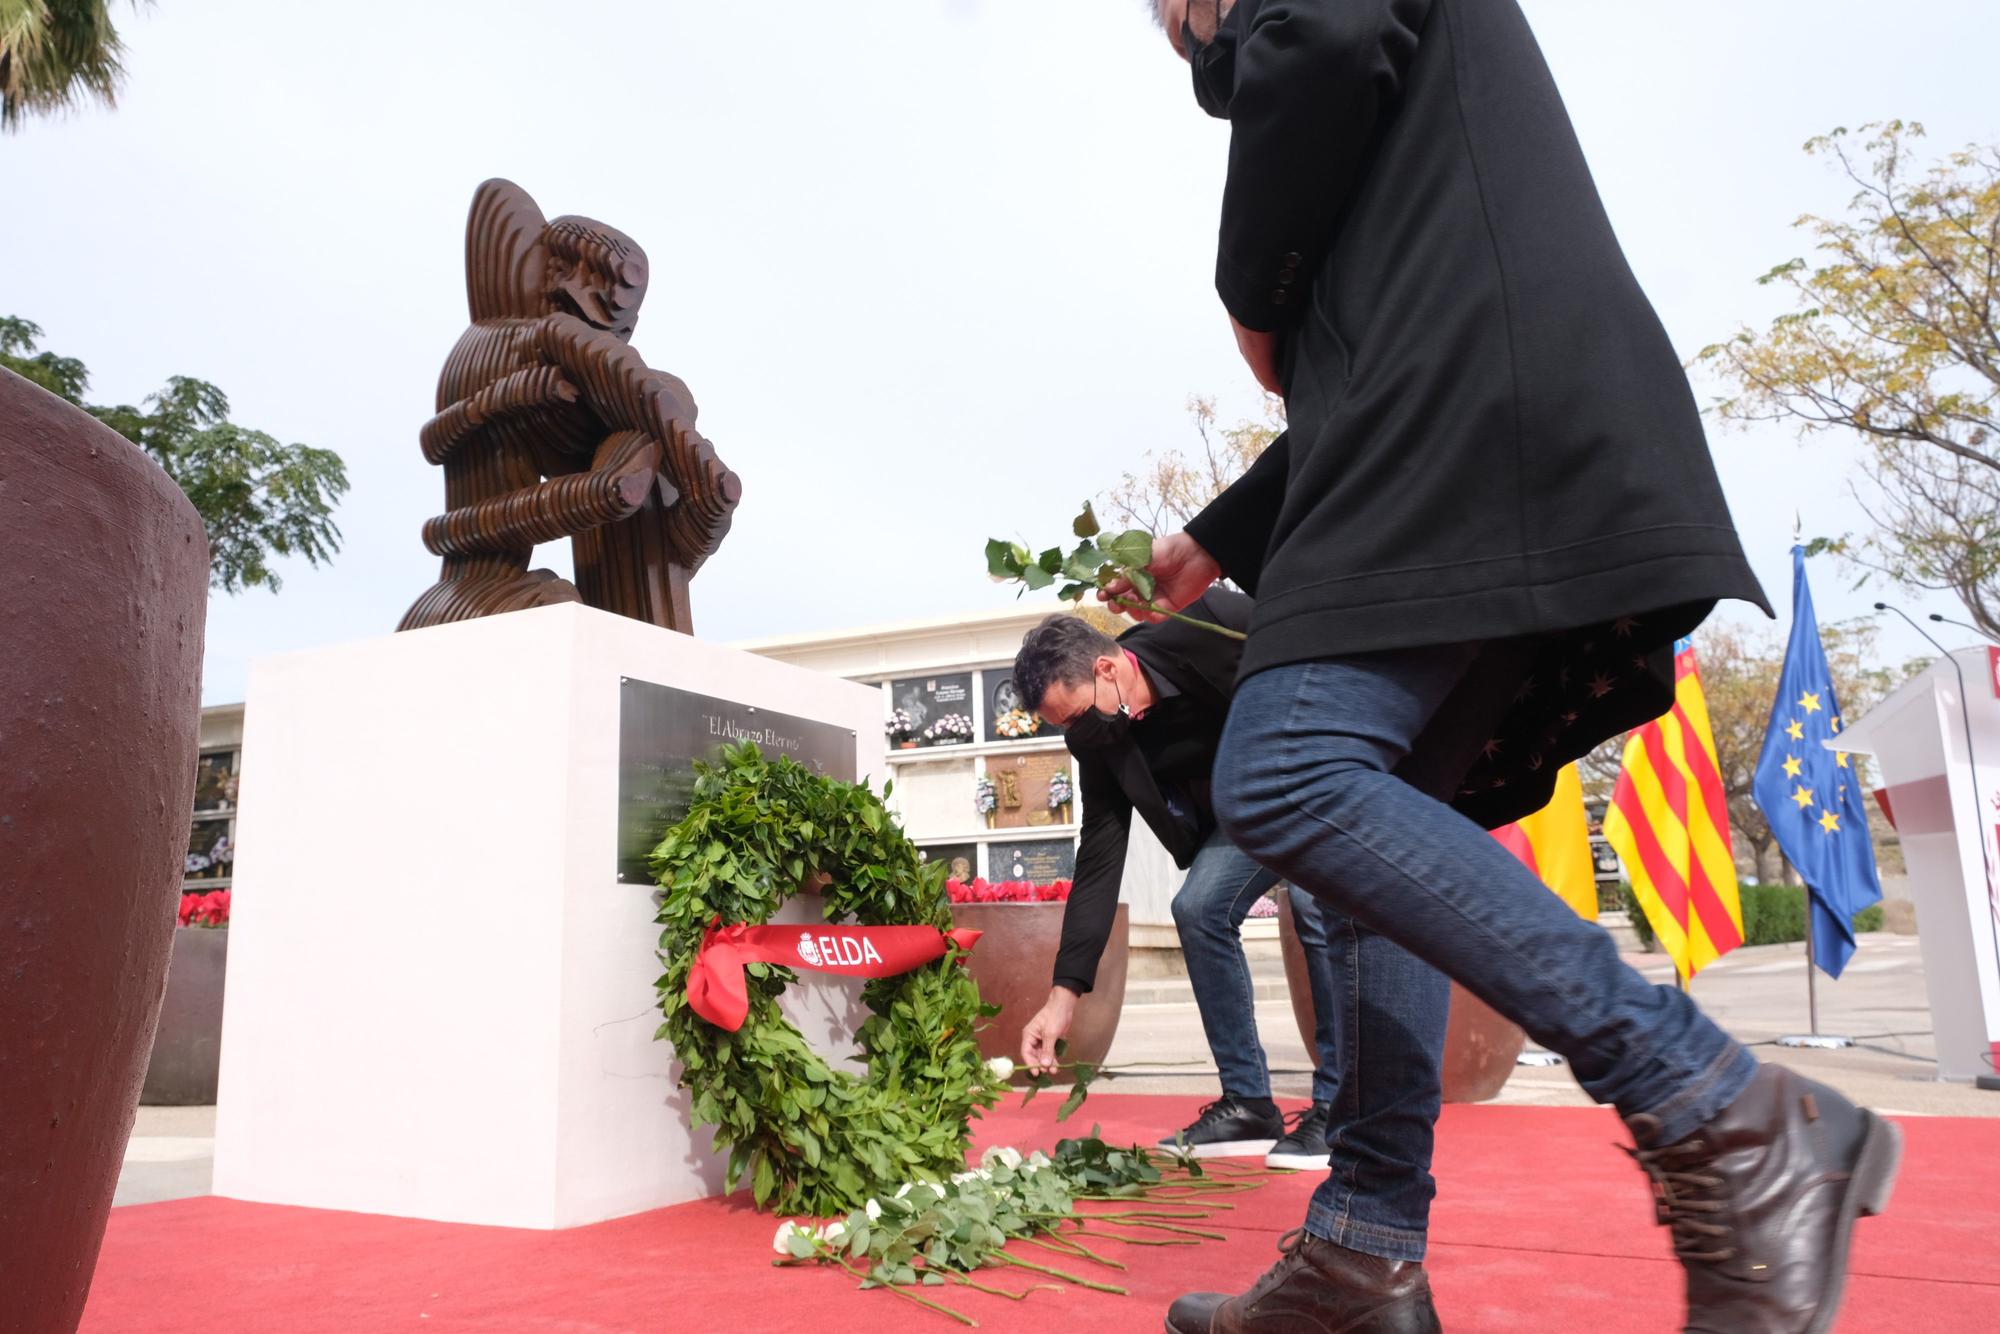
(1314, 81)
(1087, 916)
(1235, 527)
(1100, 868)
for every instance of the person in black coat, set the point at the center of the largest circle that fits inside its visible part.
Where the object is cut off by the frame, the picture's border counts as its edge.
(1492, 514)
(1142, 717)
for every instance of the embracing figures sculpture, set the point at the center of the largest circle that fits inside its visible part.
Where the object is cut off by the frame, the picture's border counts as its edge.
(549, 425)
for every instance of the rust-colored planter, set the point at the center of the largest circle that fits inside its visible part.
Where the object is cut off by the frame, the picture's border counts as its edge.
(187, 1049)
(1479, 1045)
(1013, 962)
(103, 587)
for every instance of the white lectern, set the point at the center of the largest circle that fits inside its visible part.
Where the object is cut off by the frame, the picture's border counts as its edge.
(440, 994)
(1947, 810)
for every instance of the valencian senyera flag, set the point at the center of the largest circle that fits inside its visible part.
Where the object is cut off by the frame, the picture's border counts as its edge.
(1669, 821)
(1554, 843)
(1812, 795)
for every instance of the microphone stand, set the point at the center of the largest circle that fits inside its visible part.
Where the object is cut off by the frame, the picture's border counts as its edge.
(1992, 1081)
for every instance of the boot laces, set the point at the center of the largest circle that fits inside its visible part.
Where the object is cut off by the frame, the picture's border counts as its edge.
(1688, 1198)
(1289, 1262)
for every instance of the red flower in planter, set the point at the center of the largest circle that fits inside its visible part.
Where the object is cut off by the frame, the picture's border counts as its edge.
(210, 909)
(983, 890)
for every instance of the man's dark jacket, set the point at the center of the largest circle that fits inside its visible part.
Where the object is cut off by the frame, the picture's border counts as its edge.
(1490, 434)
(1172, 749)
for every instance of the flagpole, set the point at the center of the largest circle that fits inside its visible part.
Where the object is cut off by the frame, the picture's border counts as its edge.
(1814, 1038)
(1812, 979)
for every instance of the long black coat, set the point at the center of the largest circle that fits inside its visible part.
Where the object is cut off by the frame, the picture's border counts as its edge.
(1490, 435)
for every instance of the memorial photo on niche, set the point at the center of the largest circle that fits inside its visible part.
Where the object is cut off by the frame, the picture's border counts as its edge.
(936, 710)
(1006, 719)
(961, 860)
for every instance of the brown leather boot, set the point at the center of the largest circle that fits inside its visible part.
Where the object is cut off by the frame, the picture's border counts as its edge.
(1317, 1288)
(1762, 1201)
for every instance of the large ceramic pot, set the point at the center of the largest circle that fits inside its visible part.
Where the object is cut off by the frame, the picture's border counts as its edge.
(1012, 964)
(1479, 1046)
(103, 587)
(187, 1049)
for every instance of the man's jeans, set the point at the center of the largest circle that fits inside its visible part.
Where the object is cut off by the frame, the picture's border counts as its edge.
(1325, 776)
(1209, 910)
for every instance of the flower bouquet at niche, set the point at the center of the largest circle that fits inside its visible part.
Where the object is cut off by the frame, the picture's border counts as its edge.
(1017, 724)
(900, 729)
(985, 798)
(1060, 795)
(950, 730)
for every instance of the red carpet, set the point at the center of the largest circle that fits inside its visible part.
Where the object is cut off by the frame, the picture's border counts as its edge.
(1540, 1225)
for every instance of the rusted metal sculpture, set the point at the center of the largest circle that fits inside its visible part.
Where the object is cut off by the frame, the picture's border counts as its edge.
(549, 425)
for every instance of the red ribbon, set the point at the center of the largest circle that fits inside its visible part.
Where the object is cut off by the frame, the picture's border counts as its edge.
(715, 987)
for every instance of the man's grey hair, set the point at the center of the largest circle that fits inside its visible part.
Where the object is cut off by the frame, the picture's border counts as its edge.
(1063, 648)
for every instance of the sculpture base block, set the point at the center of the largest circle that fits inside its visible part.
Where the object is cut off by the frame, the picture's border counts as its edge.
(440, 998)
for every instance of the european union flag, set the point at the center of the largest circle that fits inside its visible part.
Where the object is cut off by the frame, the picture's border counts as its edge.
(1810, 794)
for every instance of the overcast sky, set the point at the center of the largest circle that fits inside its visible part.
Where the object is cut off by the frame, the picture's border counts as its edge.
(935, 269)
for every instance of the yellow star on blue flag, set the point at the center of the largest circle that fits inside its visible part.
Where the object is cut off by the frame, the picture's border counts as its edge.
(1820, 821)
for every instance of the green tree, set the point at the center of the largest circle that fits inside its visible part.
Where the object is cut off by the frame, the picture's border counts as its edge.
(1895, 336)
(260, 499)
(55, 54)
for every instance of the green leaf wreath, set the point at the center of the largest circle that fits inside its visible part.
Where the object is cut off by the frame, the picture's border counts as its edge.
(815, 1140)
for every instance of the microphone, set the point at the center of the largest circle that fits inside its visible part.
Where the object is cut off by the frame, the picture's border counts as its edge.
(1964, 625)
(1979, 810)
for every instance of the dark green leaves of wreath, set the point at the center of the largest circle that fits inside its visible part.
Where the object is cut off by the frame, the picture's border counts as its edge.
(814, 1140)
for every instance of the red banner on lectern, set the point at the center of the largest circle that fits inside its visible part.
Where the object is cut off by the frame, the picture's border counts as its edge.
(715, 987)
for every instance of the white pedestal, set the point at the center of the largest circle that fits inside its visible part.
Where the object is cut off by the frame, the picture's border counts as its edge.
(440, 998)
(1945, 809)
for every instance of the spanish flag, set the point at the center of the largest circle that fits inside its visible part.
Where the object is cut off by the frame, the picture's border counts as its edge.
(1554, 843)
(1670, 824)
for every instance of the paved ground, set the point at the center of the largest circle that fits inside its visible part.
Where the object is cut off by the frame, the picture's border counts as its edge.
(1758, 994)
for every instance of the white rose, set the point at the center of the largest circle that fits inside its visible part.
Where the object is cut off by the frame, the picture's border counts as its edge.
(960, 1178)
(941, 1191)
(833, 1232)
(1000, 1154)
(904, 1189)
(1001, 1067)
(782, 1243)
(874, 1210)
(1037, 1161)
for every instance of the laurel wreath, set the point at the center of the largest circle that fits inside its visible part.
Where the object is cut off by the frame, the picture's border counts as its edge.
(815, 1140)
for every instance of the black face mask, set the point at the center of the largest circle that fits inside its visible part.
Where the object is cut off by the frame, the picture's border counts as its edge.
(1213, 64)
(1093, 730)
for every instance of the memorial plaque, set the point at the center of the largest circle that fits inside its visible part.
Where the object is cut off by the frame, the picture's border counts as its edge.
(663, 731)
(1041, 861)
(930, 699)
(1029, 786)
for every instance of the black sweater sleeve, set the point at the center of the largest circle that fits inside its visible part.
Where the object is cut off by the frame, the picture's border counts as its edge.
(1235, 527)
(1314, 81)
(1100, 869)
